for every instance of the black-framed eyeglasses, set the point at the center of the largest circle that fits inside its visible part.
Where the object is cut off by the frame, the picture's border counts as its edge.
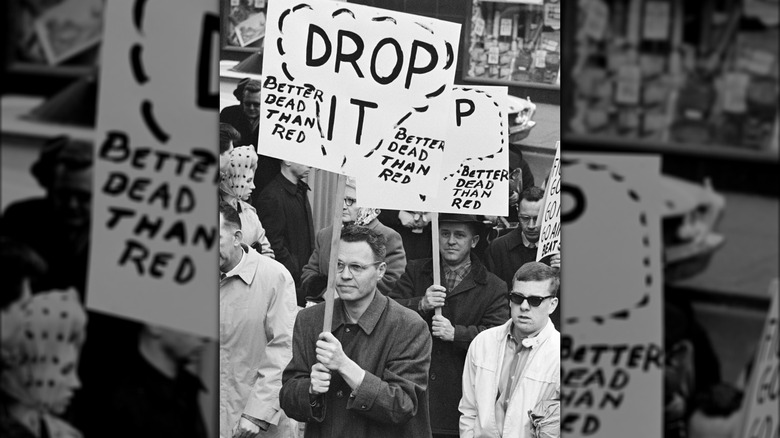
(349, 201)
(533, 300)
(354, 268)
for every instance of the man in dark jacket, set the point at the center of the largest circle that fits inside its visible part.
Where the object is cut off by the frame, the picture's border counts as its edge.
(245, 118)
(471, 300)
(369, 376)
(285, 212)
(508, 253)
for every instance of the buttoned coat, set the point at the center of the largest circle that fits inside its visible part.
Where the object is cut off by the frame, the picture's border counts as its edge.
(256, 317)
(476, 304)
(391, 344)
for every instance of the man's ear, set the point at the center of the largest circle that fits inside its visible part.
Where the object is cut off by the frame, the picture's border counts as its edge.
(553, 305)
(239, 236)
(382, 268)
(474, 240)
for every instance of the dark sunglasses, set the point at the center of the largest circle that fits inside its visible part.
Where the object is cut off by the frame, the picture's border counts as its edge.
(534, 301)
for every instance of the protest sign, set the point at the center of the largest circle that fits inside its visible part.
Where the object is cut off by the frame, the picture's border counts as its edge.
(475, 162)
(612, 346)
(344, 87)
(550, 237)
(762, 418)
(154, 224)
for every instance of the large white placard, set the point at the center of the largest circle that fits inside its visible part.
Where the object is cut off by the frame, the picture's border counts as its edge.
(762, 418)
(550, 237)
(154, 224)
(350, 89)
(612, 346)
(474, 169)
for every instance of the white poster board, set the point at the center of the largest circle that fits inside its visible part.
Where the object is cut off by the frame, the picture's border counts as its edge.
(550, 236)
(474, 169)
(612, 346)
(154, 220)
(762, 419)
(342, 82)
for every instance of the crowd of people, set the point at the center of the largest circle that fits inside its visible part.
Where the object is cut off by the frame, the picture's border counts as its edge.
(474, 353)
(406, 355)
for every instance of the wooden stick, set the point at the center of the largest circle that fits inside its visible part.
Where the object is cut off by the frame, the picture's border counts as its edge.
(435, 258)
(335, 238)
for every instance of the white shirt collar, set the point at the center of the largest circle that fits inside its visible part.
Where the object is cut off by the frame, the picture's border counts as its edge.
(236, 268)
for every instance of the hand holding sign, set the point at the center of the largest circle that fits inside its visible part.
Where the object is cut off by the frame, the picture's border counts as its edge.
(435, 297)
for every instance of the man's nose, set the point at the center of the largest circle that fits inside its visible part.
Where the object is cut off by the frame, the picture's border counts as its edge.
(525, 306)
(346, 274)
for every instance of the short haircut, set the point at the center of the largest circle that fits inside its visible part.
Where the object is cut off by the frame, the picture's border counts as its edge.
(253, 86)
(19, 262)
(230, 214)
(377, 242)
(227, 133)
(531, 194)
(61, 153)
(537, 271)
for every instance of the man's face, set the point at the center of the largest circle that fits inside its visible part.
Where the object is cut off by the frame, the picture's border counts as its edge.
(357, 281)
(182, 347)
(229, 245)
(528, 320)
(71, 194)
(300, 171)
(455, 242)
(251, 105)
(349, 213)
(528, 212)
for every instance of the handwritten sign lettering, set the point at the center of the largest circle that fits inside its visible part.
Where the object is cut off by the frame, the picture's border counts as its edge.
(341, 78)
(612, 355)
(550, 236)
(474, 173)
(154, 232)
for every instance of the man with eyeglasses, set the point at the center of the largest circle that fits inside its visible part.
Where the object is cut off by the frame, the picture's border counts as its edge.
(314, 277)
(513, 371)
(369, 376)
(471, 300)
(509, 252)
(245, 118)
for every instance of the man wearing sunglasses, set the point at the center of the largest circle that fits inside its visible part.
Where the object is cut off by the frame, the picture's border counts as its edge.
(368, 377)
(515, 368)
(471, 300)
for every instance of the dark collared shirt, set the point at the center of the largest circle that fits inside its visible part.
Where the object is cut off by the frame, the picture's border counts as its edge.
(392, 399)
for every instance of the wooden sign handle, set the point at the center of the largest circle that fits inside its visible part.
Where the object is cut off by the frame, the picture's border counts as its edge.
(435, 255)
(335, 238)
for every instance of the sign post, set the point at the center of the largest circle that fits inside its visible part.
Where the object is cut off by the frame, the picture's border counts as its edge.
(335, 238)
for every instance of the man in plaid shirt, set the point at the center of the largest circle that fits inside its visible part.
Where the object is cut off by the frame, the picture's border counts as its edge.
(471, 300)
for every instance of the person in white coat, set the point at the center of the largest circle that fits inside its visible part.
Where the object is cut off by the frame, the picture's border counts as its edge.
(257, 312)
(511, 379)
